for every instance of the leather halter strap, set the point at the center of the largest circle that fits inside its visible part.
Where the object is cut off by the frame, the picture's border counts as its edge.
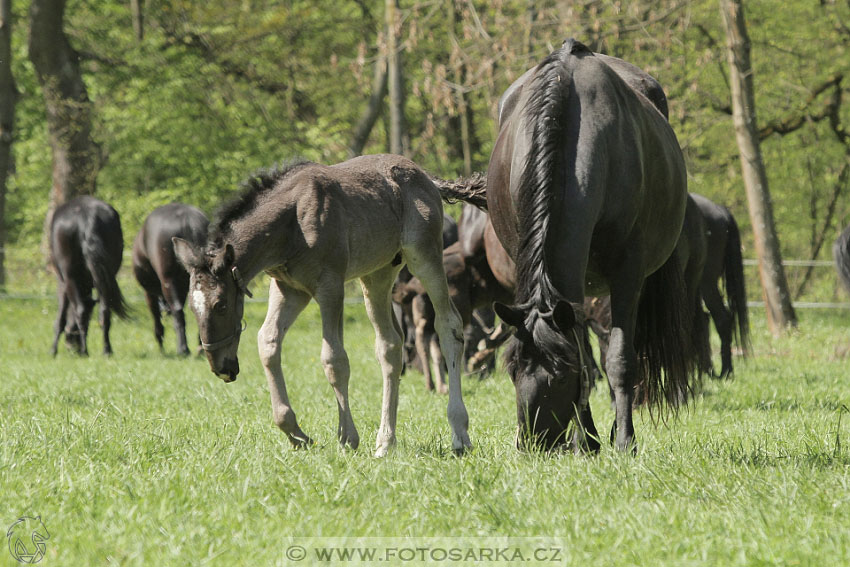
(216, 345)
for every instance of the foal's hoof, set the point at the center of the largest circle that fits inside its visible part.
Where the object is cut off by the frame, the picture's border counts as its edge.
(461, 445)
(300, 441)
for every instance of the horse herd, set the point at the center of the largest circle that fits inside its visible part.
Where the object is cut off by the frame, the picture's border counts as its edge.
(588, 225)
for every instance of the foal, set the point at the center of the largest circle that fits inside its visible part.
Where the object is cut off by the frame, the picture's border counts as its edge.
(311, 228)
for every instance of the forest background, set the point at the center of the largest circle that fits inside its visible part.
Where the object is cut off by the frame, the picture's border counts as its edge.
(188, 98)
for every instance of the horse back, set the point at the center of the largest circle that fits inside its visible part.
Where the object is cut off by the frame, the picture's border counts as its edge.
(356, 216)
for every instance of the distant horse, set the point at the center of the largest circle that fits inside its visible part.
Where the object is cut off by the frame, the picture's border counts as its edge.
(311, 228)
(723, 260)
(710, 249)
(841, 255)
(587, 189)
(86, 244)
(471, 287)
(163, 278)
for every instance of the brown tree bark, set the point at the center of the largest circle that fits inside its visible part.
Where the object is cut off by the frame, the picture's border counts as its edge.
(398, 128)
(780, 311)
(76, 157)
(136, 10)
(465, 144)
(372, 111)
(8, 97)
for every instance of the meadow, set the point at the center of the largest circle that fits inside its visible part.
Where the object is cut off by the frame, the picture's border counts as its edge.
(148, 459)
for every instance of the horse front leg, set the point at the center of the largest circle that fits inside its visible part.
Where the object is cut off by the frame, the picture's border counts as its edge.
(331, 295)
(284, 307)
(621, 361)
(377, 288)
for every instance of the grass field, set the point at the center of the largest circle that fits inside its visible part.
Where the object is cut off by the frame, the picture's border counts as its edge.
(147, 459)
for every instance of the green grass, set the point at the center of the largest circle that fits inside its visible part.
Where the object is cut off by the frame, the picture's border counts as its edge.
(147, 459)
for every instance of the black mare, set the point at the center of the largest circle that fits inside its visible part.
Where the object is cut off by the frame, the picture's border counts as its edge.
(86, 244)
(587, 192)
(164, 280)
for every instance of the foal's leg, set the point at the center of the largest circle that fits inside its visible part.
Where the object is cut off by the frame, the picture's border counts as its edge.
(377, 289)
(284, 306)
(426, 263)
(330, 295)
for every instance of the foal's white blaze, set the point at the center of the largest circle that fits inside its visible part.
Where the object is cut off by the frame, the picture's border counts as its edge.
(199, 302)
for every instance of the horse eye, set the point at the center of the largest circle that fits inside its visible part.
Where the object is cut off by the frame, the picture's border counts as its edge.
(220, 307)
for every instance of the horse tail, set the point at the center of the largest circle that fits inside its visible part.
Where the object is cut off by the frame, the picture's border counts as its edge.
(101, 262)
(668, 355)
(733, 281)
(841, 254)
(472, 189)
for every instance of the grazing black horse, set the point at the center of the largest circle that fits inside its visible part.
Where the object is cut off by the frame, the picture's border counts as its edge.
(841, 254)
(723, 260)
(86, 244)
(164, 279)
(587, 189)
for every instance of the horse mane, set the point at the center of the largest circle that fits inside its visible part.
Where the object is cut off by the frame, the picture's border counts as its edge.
(549, 89)
(251, 189)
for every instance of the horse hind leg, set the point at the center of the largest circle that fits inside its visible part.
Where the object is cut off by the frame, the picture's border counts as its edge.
(61, 317)
(153, 306)
(330, 296)
(426, 263)
(105, 319)
(377, 288)
(175, 305)
(722, 318)
(284, 308)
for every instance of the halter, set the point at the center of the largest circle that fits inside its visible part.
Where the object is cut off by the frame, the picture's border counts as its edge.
(216, 345)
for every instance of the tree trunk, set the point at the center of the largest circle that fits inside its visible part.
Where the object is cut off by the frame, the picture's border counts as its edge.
(780, 311)
(76, 157)
(8, 96)
(373, 109)
(138, 18)
(465, 143)
(398, 132)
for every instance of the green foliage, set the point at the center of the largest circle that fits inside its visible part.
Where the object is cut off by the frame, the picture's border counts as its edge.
(217, 89)
(144, 459)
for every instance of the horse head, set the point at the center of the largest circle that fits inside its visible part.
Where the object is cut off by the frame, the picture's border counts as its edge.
(217, 297)
(547, 361)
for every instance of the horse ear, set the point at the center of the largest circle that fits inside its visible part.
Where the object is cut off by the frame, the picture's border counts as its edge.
(510, 315)
(564, 316)
(188, 254)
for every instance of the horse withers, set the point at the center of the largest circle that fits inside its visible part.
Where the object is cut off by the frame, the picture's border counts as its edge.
(586, 191)
(164, 280)
(311, 228)
(86, 245)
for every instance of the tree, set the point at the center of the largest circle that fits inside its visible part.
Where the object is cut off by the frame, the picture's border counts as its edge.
(780, 311)
(398, 132)
(76, 157)
(8, 95)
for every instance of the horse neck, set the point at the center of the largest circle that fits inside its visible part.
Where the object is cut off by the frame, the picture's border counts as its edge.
(255, 250)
